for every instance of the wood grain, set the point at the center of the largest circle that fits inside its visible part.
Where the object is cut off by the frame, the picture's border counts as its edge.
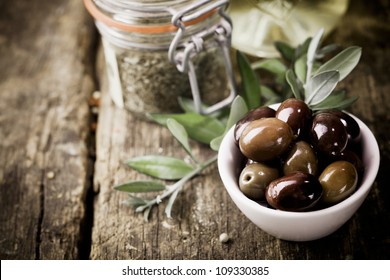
(56, 195)
(45, 81)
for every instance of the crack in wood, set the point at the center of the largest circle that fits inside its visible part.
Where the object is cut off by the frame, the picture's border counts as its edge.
(38, 238)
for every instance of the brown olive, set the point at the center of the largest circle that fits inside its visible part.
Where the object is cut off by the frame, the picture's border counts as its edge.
(265, 139)
(328, 134)
(296, 114)
(254, 114)
(254, 179)
(339, 180)
(301, 157)
(294, 192)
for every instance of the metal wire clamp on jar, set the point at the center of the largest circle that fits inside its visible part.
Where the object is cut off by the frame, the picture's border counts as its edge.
(144, 60)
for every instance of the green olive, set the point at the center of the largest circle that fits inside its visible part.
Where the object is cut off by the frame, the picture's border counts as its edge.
(265, 139)
(301, 157)
(338, 180)
(254, 179)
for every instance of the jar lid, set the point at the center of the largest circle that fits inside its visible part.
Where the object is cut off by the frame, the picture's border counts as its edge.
(157, 18)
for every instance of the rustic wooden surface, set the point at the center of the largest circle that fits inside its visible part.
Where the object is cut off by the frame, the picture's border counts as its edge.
(56, 194)
(45, 82)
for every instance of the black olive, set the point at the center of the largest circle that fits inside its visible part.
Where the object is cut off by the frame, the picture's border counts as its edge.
(297, 191)
(328, 134)
(296, 114)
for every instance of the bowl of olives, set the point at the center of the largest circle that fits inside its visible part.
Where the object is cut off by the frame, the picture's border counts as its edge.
(296, 174)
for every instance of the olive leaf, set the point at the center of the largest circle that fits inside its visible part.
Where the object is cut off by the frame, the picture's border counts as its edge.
(188, 106)
(135, 201)
(250, 83)
(300, 68)
(302, 49)
(311, 52)
(326, 49)
(269, 95)
(237, 111)
(199, 127)
(341, 104)
(296, 88)
(344, 62)
(335, 98)
(140, 186)
(321, 86)
(286, 51)
(216, 143)
(272, 65)
(162, 167)
(346, 102)
(179, 132)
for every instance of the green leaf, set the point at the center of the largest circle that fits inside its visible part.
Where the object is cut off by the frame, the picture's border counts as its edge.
(344, 62)
(301, 49)
(250, 83)
(272, 65)
(300, 68)
(311, 52)
(326, 49)
(237, 111)
(216, 143)
(188, 106)
(140, 186)
(321, 86)
(331, 101)
(286, 51)
(135, 201)
(199, 127)
(340, 104)
(314, 45)
(162, 167)
(179, 132)
(295, 87)
(346, 102)
(269, 95)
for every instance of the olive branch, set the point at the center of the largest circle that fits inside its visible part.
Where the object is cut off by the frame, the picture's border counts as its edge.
(298, 72)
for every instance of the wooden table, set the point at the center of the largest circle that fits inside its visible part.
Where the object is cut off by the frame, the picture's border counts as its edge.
(59, 159)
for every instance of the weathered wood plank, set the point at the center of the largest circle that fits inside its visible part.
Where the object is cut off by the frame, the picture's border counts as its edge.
(45, 81)
(203, 210)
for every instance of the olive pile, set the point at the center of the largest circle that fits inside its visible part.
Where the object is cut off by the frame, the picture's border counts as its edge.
(296, 160)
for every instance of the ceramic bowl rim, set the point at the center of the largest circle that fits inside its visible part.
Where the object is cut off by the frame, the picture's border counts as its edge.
(369, 176)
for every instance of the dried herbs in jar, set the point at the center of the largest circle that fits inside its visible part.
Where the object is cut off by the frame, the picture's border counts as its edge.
(157, 51)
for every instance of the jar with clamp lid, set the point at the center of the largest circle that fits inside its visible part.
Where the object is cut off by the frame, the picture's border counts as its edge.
(157, 51)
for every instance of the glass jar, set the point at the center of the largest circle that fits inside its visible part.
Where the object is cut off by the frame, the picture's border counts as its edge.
(158, 51)
(259, 23)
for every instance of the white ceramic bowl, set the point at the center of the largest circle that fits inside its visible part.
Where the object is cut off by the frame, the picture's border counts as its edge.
(298, 226)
